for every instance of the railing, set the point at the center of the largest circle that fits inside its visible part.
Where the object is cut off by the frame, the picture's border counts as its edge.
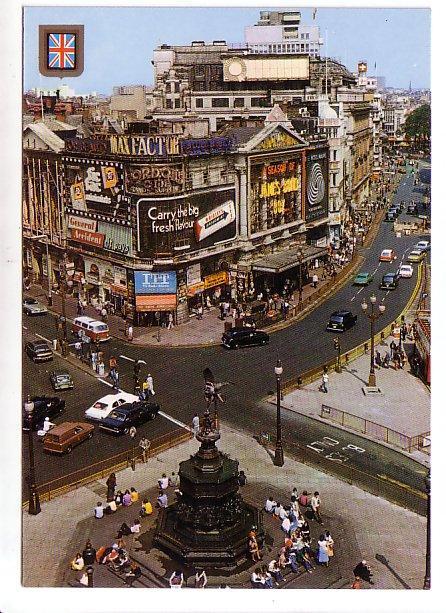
(373, 429)
(79, 478)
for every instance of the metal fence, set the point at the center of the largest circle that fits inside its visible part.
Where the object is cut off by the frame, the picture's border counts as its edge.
(374, 430)
(79, 478)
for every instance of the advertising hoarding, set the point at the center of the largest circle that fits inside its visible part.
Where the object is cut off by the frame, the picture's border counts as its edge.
(316, 185)
(155, 282)
(186, 223)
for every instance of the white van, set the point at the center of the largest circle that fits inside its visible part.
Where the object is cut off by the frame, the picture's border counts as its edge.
(98, 331)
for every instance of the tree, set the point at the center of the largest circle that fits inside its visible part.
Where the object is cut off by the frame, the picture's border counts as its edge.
(418, 124)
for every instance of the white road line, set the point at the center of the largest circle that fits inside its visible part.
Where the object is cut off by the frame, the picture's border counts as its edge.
(351, 299)
(175, 421)
(374, 272)
(43, 338)
(359, 291)
(24, 327)
(107, 383)
(124, 357)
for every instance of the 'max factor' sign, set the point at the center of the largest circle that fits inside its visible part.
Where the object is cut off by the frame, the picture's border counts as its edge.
(185, 223)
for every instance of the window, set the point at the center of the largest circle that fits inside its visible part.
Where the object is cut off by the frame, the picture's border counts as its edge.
(335, 155)
(259, 102)
(172, 87)
(239, 102)
(177, 103)
(177, 87)
(220, 102)
(333, 180)
(199, 103)
(168, 103)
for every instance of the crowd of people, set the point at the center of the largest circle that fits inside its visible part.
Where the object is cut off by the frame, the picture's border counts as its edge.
(298, 548)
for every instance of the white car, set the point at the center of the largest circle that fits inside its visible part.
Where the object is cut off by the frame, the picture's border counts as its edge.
(32, 307)
(423, 245)
(105, 405)
(406, 271)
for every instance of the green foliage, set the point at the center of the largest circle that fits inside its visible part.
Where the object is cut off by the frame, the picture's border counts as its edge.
(418, 124)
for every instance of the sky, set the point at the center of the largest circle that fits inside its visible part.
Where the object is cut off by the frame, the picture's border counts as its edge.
(119, 41)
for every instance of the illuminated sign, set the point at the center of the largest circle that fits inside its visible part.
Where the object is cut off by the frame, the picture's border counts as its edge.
(89, 238)
(154, 179)
(155, 282)
(156, 146)
(278, 140)
(206, 146)
(316, 188)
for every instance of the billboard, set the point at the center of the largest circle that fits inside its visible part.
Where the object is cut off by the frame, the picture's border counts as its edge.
(95, 188)
(155, 282)
(185, 223)
(316, 185)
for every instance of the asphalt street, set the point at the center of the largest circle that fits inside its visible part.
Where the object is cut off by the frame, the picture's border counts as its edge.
(249, 372)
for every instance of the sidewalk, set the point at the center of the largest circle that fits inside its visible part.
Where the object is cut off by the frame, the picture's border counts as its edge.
(404, 404)
(357, 527)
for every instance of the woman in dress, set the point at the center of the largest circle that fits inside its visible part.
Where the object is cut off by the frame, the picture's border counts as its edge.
(330, 543)
(322, 552)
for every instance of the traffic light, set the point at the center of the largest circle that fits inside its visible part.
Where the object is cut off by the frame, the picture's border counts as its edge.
(336, 344)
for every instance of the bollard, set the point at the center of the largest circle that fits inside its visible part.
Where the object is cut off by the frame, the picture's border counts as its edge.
(54, 344)
(366, 347)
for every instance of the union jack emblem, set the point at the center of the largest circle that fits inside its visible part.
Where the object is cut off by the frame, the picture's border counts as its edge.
(62, 51)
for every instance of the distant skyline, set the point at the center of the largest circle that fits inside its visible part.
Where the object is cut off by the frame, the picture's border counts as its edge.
(119, 41)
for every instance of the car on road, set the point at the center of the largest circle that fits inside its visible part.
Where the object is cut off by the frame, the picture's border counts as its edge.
(134, 414)
(363, 278)
(423, 246)
(61, 380)
(340, 321)
(405, 271)
(44, 406)
(105, 405)
(62, 438)
(387, 255)
(391, 215)
(31, 306)
(416, 256)
(39, 351)
(389, 281)
(244, 337)
(412, 209)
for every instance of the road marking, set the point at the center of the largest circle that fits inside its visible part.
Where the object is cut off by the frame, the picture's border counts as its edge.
(404, 486)
(107, 383)
(351, 299)
(175, 421)
(24, 327)
(43, 338)
(331, 441)
(359, 291)
(374, 272)
(124, 357)
(353, 448)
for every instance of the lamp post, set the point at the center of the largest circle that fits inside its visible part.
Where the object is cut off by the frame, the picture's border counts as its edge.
(34, 502)
(89, 572)
(278, 455)
(373, 316)
(63, 286)
(300, 257)
(427, 575)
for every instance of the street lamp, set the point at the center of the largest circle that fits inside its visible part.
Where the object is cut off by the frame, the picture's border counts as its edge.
(300, 257)
(373, 316)
(427, 576)
(34, 502)
(278, 455)
(63, 285)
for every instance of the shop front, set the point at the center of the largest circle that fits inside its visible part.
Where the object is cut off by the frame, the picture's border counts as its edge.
(289, 268)
(155, 297)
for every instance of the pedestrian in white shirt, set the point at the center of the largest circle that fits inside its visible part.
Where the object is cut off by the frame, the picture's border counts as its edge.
(316, 505)
(149, 381)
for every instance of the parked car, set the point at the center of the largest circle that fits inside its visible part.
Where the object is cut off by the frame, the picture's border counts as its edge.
(39, 351)
(32, 307)
(120, 420)
(416, 256)
(44, 406)
(406, 271)
(340, 321)
(412, 209)
(61, 380)
(387, 255)
(389, 281)
(244, 337)
(62, 438)
(105, 405)
(423, 246)
(363, 278)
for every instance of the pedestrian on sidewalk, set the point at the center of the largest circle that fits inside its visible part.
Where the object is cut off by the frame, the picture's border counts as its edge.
(78, 348)
(104, 314)
(363, 571)
(316, 507)
(222, 311)
(170, 321)
(99, 511)
(330, 543)
(200, 311)
(315, 280)
(149, 381)
(111, 486)
(200, 578)
(144, 443)
(322, 551)
(130, 332)
(324, 385)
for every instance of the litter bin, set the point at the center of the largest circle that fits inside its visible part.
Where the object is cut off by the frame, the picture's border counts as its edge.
(228, 326)
(54, 344)
(101, 369)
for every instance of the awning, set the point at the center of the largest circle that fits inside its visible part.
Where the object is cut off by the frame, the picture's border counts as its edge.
(284, 260)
